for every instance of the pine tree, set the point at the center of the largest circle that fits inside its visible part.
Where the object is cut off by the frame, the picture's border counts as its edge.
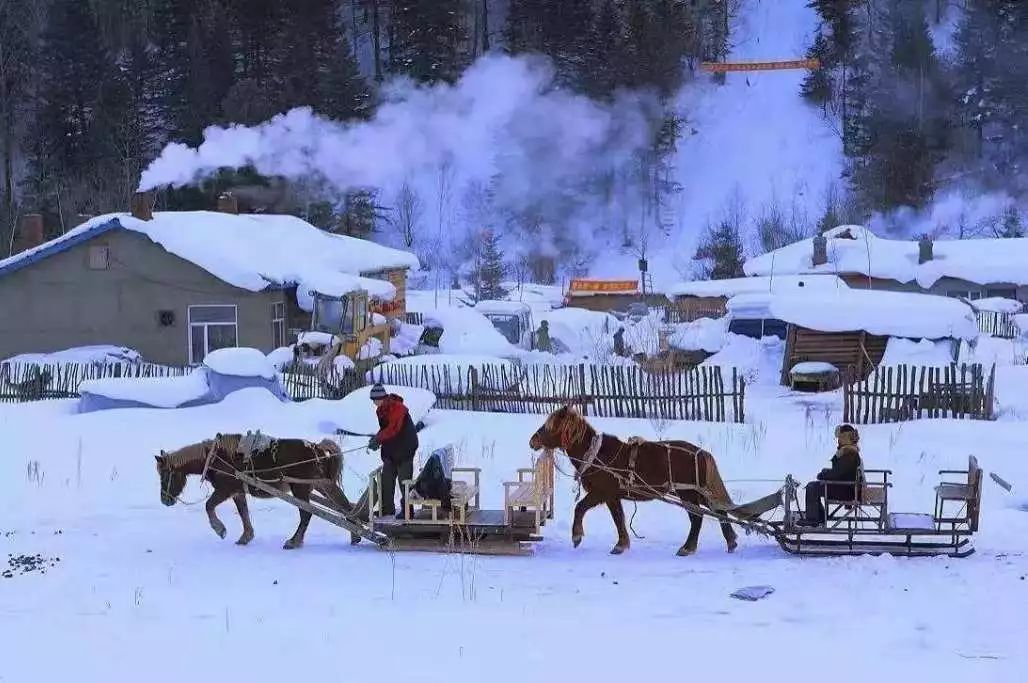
(487, 275)
(818, 85)
(720, 255)
(428, 40)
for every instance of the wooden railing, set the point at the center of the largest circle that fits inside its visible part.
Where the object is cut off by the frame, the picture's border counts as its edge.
(996, 324)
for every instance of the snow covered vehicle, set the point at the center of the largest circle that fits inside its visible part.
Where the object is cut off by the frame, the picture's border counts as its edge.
(511, 319)
(343, 331)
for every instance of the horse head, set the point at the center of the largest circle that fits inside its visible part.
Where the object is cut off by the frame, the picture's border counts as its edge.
(173, 480)
(562, 429)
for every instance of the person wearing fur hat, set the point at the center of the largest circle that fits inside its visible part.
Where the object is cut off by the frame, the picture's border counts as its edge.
(844, 473)
(398, 438)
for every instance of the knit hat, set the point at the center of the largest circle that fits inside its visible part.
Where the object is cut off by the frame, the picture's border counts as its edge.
(378, 392)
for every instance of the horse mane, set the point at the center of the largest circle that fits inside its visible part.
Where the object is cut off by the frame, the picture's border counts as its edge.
(571, 427)
(188, 455)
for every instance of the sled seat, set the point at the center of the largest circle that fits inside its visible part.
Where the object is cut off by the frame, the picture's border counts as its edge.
(464, 495)
(532, 492)
(868, 504)
(967, 494)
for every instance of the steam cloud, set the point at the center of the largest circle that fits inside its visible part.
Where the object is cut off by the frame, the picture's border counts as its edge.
(503, 124)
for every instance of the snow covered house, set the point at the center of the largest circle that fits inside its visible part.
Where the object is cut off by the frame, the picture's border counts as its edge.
(697, 299)
(850, 329)
(973, 269)
(177, 285)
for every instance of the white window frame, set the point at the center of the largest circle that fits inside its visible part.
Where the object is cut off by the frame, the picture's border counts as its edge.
(206, 344)
(278, 322)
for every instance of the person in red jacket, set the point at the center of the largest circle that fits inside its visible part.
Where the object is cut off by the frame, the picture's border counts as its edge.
(398, 439)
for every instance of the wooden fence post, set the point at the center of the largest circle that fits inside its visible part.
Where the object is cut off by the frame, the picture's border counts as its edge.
(473, 386)
(582, 389)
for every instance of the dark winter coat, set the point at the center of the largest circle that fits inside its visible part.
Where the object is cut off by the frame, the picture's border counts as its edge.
(397, 434)
(846, 467)
(432, 482)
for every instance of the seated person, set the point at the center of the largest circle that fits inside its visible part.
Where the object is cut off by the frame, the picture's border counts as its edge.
(845, 467)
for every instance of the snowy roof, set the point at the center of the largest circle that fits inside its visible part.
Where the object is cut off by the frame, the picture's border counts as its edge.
(997, 304)
(748, 285)
(854, 249)
(251, 252)
(504, 307)
(891, 314)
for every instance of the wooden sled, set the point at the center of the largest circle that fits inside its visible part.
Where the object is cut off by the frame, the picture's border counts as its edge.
(862, 524)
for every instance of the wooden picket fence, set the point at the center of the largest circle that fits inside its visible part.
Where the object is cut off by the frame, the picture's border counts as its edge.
(20, 382)
(703, 393)
(996, 324)
(598, 390)
(907, 392)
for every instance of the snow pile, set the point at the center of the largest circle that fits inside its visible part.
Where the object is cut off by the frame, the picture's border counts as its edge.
(759, 361)
(502, 307)
(855, 249)
(357, 412)
(281, 357)
(406, 339)
(754, 285)
(998, 304)
(467, 331)
(101, 354)
(157, 392)
(921, 352)
(372, 348)
(813, 368)
(893, 314)
(240, 362)
(1021, 322)
(705, 334)
(254, 251)
(580, 331)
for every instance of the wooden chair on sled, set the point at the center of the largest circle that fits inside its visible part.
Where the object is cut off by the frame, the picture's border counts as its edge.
(967, 494)
(868, 505)
(532, 492)
(464, 497)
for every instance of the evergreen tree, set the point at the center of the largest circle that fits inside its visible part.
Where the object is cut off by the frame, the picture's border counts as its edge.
(1011, 224)
(428, 40)
(720, 254)
(488, 269)
(818, 85)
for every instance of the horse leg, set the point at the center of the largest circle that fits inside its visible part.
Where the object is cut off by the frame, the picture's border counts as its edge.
(731, 538)
(216, 499)
(244, 516)
(591, 500)
(618, 513)
(695, 524)
(303, 492)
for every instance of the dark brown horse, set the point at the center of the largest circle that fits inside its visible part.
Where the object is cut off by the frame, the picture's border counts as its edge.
(612, 470)
(292, 465)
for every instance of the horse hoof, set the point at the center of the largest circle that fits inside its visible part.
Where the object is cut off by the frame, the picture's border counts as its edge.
(355, 539)
(220, 531)
(244, 539)
(292, 544)
(576, 541)
(617, 550)
(732, 546)
(685, 552)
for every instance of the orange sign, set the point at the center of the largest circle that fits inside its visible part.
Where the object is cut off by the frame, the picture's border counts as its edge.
(603, 287)
(723, 67)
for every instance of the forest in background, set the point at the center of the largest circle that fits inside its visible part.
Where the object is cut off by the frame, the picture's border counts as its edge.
(92, 90)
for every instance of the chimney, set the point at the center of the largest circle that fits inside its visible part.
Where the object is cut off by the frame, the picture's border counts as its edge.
(142, 206)
(227, 203)
(925, 249)
(30, 235)
(820, 250)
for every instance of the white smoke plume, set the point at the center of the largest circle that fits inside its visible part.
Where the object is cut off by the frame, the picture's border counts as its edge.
(504, 125)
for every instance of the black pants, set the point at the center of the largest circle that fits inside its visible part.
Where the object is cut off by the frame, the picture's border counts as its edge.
(814, 510)
(391, 473)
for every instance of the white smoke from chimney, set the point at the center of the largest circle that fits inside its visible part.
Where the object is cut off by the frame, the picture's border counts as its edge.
(503, 123)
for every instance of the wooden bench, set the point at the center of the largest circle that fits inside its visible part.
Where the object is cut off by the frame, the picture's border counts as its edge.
(533, 491)
(967, 493)
(464, 494)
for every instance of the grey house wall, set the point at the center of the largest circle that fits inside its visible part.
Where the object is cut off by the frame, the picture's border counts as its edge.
(59, 302)
(943, 287)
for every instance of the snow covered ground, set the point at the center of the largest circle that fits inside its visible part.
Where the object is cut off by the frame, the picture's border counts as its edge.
(144, 590)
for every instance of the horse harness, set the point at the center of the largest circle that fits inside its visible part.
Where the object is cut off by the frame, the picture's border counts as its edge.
(627, 478)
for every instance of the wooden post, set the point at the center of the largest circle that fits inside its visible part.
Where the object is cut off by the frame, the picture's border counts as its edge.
(582, 388)
(473, 386)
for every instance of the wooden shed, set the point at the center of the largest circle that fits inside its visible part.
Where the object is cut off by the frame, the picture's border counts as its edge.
(608, 295)
(850, 329)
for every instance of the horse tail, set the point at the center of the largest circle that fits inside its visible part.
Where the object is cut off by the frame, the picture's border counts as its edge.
(714, 483)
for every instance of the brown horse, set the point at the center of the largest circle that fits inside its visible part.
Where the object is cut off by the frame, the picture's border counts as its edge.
(292, 465)
(611, 470)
